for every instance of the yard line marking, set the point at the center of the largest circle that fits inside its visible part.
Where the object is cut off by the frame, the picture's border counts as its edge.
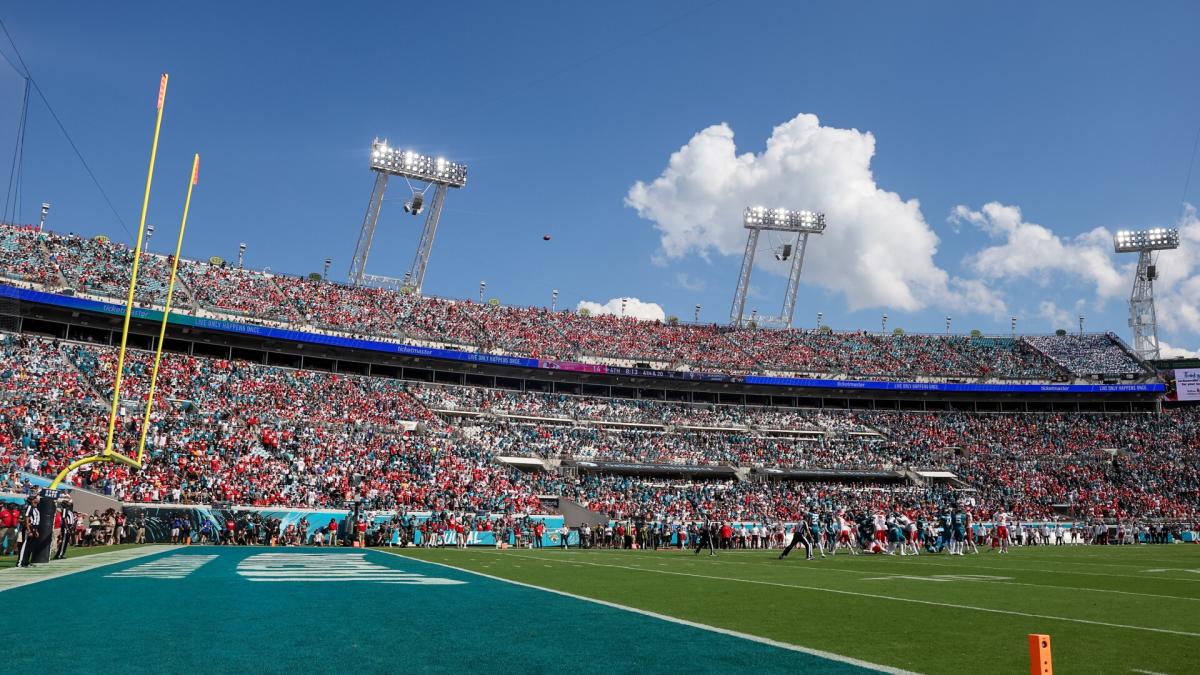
(1071, 560)
(972, 578)
(676, 620)
(1089, 574)
(938, 577)
(818, 568)
(917, 560)
(1146, 672)
(891, 597)
(15, 578)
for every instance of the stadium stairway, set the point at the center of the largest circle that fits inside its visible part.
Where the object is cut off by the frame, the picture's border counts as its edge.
(181, 288)
(728, 337)
(1148, 367)
(99, 395)
(576, 350)
(574, 514)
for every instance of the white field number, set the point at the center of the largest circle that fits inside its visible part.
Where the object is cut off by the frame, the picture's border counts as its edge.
(326, 567)
(170, 567)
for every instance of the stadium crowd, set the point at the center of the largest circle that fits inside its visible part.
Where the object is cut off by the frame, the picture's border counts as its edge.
(246, 433)
(1087, 354)
(98, 266)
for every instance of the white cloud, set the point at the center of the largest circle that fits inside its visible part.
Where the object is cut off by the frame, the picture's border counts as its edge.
(973, 295)
(648, 311)
(1169, 352)
(689, 283)
(1034, 252)
(1055, 316)
(1031, 251)
(878, 249)
(1177, 290)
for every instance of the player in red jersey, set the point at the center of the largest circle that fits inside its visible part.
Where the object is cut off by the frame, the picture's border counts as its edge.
(970, 541)
(1001, 518)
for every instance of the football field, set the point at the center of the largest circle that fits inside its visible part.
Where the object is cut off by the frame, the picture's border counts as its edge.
(224, 609)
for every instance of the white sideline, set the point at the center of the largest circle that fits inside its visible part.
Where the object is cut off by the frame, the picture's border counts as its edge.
(874, 595)
(16, 577)
(683, 622)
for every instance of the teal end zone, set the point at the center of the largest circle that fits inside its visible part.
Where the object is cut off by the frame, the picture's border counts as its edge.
(216, 619)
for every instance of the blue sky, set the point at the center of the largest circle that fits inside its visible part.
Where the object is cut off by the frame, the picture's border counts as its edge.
(1066, 117)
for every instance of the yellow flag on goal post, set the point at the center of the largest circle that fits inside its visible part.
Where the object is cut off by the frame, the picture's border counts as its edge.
(110, 455)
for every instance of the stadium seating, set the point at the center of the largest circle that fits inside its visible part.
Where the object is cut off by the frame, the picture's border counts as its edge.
(254, 434)
(335, 306)
(1087, 354)
(1007, 358)
(23, 257)
(101, 267)
(239, 291)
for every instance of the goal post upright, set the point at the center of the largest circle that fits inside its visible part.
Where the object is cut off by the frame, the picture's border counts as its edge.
(137, 257)
(162, 330)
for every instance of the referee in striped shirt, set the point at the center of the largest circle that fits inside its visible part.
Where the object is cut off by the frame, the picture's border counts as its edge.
(66, 511)
(31, 521)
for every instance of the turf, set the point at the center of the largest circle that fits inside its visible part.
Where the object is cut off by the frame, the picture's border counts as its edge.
(1107, 609)
(218, 619)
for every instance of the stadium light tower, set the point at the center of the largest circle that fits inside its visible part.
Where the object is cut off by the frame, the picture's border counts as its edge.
(1142, 318)
(756, 219)
(436, 172)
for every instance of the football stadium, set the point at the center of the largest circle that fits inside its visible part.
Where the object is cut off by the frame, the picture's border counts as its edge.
(215, 460)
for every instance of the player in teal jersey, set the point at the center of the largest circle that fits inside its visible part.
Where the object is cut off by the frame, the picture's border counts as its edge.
(960, 531)
(814, 530)
(947, 524)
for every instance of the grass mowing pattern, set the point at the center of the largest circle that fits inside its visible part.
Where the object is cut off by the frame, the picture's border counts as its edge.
(866, 607)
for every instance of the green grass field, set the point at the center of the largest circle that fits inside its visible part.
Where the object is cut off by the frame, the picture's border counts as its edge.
(236, 609)
(1111, 609)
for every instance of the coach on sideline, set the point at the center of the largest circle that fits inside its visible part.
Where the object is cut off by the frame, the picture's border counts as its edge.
(10, 519)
